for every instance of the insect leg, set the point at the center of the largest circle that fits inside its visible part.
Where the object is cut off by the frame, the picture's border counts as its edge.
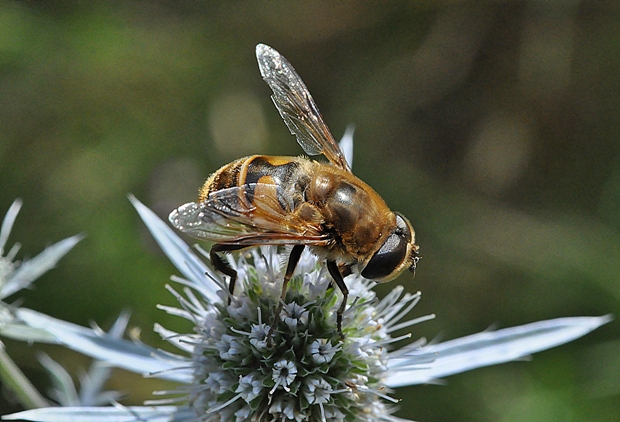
(345, 270)
(332, 267)
(290, 269)
(220, 265)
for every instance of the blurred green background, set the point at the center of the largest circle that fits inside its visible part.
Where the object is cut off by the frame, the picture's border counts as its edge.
(494, 126)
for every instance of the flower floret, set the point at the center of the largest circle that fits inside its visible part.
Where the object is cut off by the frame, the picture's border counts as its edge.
(322, 351)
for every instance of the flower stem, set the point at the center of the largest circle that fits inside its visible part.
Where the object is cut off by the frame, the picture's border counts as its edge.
(14, 379)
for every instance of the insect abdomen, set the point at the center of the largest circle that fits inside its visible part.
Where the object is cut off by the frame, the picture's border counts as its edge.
(226, 177)
(285, 174)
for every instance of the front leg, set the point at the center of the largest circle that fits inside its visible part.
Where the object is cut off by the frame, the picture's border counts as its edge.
(332, 267)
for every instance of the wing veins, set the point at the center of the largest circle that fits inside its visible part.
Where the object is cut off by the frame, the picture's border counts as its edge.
(297, 107)
(227, 219)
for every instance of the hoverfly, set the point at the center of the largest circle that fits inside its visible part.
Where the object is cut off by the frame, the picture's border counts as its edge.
(264, 200)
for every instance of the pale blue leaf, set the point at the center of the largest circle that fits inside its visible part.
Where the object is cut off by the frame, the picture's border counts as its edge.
(64, 391)
(33, 268)
(134, 357)
(425, 364)
(106, 414)
(92, 383)
(179, 253)
(17, 330)
(7, 223)
(346, 144)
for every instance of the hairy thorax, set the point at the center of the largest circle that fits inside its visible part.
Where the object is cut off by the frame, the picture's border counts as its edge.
(351, 209)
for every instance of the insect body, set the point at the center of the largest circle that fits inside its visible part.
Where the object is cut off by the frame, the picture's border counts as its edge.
(262, 200)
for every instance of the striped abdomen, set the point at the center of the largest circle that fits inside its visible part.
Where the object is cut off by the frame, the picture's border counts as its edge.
(285, 177)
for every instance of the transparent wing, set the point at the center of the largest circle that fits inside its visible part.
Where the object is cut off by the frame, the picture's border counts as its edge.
(239, 216)
(296, 106)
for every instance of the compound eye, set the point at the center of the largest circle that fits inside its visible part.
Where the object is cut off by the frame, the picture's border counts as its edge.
(388, 258)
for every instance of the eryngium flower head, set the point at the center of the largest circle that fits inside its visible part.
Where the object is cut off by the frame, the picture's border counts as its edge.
(250, 364)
